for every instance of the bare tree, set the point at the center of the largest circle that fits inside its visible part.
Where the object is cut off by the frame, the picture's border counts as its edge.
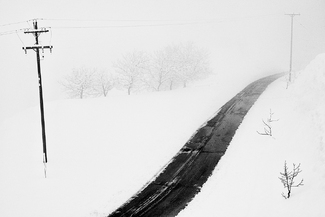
(177, 64)
(161, 71)
(104, 82)
(130, 69)
(80, 83)
(170, 66)
(287, 179)
(190, 62)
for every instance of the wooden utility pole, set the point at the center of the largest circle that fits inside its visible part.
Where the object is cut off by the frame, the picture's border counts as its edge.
(292, 16)
(36, 32)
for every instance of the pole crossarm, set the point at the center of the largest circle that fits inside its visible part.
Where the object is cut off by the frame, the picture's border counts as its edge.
(293, 14)
(36, 31)
(37, 47)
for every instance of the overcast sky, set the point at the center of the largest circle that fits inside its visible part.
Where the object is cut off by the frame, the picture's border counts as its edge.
(243, 37)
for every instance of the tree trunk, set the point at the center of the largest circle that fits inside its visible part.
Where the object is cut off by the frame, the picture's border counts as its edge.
(104, 91)
(81, 93)
(289, 192)
(158, 88)
(184, 84)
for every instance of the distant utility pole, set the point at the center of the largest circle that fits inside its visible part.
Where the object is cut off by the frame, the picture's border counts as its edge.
(292, 16)
(36, 32)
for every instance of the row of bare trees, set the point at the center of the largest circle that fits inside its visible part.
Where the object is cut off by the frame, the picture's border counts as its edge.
(165, 69)
(84, 82)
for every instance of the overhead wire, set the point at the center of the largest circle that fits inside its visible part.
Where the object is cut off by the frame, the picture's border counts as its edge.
(309, 32)
(29, 23)
(8, 32)
(9, 24)
(157, 20)
(11, 32)
(20, 39)
(153, 23)
(106, 20)
(162, 24)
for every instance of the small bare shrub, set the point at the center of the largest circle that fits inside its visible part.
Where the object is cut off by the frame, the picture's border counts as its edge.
(287, 179)
(267, 125)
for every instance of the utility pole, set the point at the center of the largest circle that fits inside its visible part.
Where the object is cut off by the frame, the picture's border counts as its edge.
(292, 16)
(36, 32)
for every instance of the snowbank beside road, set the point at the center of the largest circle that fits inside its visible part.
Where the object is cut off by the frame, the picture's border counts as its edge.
(245, 182)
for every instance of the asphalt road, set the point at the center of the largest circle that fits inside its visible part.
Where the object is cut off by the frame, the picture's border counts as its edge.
(182, 178)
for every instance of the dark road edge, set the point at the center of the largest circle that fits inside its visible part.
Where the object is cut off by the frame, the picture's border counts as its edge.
(182, 178)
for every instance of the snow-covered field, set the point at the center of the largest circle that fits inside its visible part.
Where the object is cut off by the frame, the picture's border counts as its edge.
(101, 151)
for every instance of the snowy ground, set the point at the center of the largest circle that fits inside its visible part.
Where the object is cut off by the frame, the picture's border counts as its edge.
(101, 151)
(245, 182)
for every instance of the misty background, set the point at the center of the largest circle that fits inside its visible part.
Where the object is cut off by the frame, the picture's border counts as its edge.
(245, 39)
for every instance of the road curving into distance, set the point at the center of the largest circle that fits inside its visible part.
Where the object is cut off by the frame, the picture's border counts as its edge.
(182, 178)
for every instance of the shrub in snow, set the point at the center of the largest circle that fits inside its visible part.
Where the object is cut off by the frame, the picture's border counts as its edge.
(287, 179)
(267, 125)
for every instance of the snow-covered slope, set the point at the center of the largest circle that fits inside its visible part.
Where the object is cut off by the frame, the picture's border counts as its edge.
(101, 151)
(245, 182)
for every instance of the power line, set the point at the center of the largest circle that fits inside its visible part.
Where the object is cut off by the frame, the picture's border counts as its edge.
(166, 22)
(10, 24)
(11, 32)
(20, 39)
(158, 20)
(8, 32)
(313, 37)
(161, 23)
(124, 26)
(107, 20)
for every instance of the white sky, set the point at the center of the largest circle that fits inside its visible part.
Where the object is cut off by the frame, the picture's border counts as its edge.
(251, 36)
